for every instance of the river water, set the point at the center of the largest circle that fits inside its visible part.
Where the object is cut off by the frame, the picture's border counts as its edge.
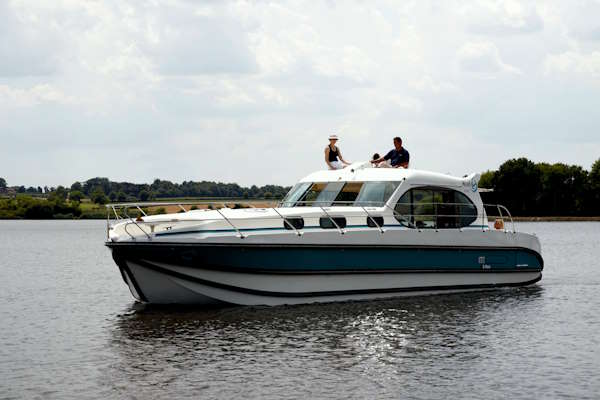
(69, 328)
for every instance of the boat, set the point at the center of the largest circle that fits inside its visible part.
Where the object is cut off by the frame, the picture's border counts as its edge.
(358, 233)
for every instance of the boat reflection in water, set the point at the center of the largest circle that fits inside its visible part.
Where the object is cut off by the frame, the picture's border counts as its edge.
(354, 234)
(399, 343)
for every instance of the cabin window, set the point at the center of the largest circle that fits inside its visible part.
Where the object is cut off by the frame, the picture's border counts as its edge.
(348, 194)
(375, 194)
(296, 222)
(320, 194)
(325, 194)
(327, 223)
(435, 207)
(328, 194)
(295, 193)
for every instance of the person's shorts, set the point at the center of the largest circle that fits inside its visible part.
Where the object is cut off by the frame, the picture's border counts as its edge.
(336, 164)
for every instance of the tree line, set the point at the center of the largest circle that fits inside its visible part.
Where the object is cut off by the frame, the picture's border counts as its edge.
(103, 190)
(527, 188)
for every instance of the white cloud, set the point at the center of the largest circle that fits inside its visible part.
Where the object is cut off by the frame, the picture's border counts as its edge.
(26, 44)
(33, 96)
(263, 83)
(483, 58)
(503, 17)
(573, 62)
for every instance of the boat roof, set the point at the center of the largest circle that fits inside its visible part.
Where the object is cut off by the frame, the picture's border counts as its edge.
(364, 172)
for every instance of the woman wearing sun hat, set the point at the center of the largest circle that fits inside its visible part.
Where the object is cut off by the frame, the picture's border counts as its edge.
(333, 155)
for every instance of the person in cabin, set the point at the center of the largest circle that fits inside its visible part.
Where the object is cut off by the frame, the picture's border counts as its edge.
(333, 155)
(398, 156)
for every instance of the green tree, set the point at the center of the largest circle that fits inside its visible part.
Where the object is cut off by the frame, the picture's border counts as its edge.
(2, 183)
(487, 180)
(593, 197)
(61, 193)
(594, 175)
(98, 196)
(77, 186)
(517, 185)
(76, 195)
(144, 195)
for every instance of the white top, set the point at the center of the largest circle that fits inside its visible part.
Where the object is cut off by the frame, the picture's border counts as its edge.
(364, 172)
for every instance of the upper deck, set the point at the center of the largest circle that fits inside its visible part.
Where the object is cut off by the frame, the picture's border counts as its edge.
(364, 172)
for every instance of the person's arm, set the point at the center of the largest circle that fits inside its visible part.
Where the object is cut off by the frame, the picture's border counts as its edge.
(340, 156)
(380, 159)
(327, 157)
(403, 165)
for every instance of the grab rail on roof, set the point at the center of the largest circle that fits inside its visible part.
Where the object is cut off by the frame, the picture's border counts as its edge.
(121, 214)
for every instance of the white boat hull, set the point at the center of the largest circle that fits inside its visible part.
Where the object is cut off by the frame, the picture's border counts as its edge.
(166, 284)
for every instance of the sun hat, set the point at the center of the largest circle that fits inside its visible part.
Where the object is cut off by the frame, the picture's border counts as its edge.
(333, 137)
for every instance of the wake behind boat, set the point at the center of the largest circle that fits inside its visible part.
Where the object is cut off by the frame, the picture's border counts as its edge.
(352, 234)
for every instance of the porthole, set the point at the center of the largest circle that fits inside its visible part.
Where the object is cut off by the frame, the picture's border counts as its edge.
(377, 221)
(327, 223)
(296, 222)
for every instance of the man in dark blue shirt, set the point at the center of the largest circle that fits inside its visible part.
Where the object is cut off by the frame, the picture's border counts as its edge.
(398, 156)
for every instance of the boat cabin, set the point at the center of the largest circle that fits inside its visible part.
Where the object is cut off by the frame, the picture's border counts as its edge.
(417, 199)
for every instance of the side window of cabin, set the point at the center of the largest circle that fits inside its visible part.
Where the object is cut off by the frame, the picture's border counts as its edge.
(423, 210)
(432, 207)
(311, 194)
(375, 194)
(329, 194)
(466, 209)
(321, 194)
(348, 194)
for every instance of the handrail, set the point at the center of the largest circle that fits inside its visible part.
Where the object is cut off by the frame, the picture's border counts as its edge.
(136, 224)
(241, 235)
(512, 222)
(285, 221)
(342, 231)
(123, 208)
(371, 218)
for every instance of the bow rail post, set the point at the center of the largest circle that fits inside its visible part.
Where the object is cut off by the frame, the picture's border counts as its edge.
(285, 221)
(240, 234)
(340, 230)
(372, 219)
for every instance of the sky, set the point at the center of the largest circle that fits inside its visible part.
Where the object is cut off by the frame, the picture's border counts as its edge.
(248, 92)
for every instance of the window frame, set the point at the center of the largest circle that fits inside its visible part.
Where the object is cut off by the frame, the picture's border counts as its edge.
(456, 218)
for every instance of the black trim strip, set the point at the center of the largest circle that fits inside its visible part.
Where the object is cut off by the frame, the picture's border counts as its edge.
(329, 293)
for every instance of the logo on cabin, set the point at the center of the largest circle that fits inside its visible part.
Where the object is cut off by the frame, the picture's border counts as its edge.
(473, 184)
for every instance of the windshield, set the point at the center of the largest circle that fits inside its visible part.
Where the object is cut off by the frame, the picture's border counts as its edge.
(295, 193)
(321, 194)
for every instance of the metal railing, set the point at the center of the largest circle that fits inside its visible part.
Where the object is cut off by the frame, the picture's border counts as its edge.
(121, 212)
